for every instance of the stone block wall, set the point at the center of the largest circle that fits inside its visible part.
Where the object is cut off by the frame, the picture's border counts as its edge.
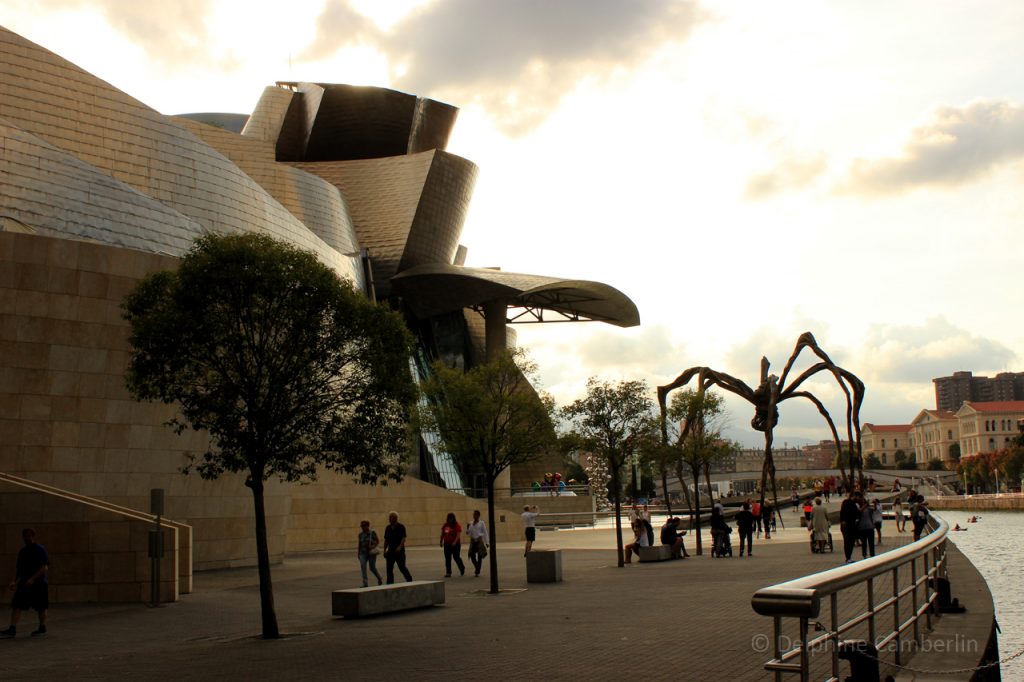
(96, 554)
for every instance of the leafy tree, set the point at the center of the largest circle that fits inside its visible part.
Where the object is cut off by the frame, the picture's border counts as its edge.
(489, 418)
(872, 461)
(698, 443)
(613, 420)
(936, 465)
(954, 452)
(900, 458)
(282, 362)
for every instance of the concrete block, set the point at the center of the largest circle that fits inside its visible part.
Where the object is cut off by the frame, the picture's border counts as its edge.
(544, 566)
(656, 553)
(370, 601)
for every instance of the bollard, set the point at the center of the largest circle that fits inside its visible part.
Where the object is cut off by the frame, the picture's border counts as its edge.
(863, 658)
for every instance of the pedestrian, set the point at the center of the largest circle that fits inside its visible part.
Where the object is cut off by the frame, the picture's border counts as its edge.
(768, 519)
(819, 525)
(30, 586)
(394, 548)
(919, 516)
(876, 519)
(478, 541)
(897, 512)
(451, 543)
(849, 517)
(367, 550)
(745, 525)
(866, 528)
(808, 510)
(755, 509)
(795, 499)
(530, 526)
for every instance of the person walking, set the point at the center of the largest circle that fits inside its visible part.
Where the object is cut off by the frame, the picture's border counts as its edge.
(367, 550)
(30, 586)
(866, 528)
(849, 517)
(919, 516)
(394, 549)
(745, 526)
(876, 519)
(819, 525)
(451, 542)
(478, 541)
(768, 519)
(755, 509)
(530, 526)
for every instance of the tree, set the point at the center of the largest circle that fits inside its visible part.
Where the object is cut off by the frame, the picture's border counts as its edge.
(936, 465)
(872, 461)
(698, 443)
(282, 362)
(489, 418)
(613, 420)
(899, 458)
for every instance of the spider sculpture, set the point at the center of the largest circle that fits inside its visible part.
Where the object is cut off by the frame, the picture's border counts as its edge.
(773, 390)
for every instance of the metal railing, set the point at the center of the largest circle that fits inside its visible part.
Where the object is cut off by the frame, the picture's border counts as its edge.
(801, 599)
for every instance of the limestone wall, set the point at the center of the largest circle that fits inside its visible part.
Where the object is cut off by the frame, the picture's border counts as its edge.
(96, 554)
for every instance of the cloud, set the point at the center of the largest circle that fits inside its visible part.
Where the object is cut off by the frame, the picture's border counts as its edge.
(933, 349)
(515, 59)
(792, 173)
(173, 33)
(960, 145)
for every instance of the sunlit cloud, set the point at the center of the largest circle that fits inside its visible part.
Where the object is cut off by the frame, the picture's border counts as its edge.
(959, 145)
(517, 60)
(792, 173)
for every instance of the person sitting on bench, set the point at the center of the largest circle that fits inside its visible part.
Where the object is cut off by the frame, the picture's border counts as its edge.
(672, 536)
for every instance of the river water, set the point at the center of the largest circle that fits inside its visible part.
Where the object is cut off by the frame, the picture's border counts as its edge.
(994, 546)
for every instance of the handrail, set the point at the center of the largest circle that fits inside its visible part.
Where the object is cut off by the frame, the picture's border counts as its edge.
(801, 599)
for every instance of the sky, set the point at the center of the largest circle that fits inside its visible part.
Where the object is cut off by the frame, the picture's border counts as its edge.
(743, 171)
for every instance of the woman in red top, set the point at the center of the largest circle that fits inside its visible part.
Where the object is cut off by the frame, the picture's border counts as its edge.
(451, 541)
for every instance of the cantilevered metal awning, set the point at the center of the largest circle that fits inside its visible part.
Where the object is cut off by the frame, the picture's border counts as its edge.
(435, 289)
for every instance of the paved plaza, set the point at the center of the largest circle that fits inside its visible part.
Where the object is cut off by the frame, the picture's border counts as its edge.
(687, 619)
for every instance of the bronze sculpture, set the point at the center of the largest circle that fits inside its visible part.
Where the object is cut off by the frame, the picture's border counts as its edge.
(771, 391)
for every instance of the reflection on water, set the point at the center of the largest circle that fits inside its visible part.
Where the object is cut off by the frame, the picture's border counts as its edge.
(994, 546)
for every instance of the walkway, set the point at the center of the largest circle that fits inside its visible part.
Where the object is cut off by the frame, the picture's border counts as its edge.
(671, 620)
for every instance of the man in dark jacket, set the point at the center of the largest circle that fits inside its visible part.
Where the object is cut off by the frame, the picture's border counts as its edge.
(745, 525)
(29, 585)
(849, 516)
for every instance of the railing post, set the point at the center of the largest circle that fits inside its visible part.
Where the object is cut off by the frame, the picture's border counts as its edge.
(914, 601)
(834, 644)
(805, 655)
(871, 611)
(777, 638)
(929, 582)
(896, 609)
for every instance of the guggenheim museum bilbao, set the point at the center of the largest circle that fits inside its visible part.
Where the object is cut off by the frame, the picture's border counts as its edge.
(99, 190)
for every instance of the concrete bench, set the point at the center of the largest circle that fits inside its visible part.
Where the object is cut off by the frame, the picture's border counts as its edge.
(544, 566)
(370, 601)
(655, 553)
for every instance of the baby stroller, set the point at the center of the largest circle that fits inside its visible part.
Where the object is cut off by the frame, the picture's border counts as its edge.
(814, 545)
(721, 545)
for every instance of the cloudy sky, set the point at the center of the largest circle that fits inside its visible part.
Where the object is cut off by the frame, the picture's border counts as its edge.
(744, 171)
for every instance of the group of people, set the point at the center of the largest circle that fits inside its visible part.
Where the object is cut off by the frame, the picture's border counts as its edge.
(643, 536)
(369, 547)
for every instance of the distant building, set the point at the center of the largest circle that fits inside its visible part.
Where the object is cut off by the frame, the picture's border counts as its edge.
(988, 426)
(752, 459)
(885, 440)
(934, 432)
(953, 391)
(823, 454)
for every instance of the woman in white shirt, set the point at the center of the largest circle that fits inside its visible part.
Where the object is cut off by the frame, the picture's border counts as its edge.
(478, 541)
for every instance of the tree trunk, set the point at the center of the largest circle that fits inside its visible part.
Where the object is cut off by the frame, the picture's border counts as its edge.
(696, 515)
(686, 490)
(493, 535)
(269, 617)
(707, 479)
(664, 490)
(617, 495)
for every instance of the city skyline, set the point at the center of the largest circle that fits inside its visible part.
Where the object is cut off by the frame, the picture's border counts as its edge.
(743, 173)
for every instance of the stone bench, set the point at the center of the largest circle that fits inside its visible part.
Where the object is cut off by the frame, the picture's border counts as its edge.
(370, 601)
(544, 566)
(655, 553)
